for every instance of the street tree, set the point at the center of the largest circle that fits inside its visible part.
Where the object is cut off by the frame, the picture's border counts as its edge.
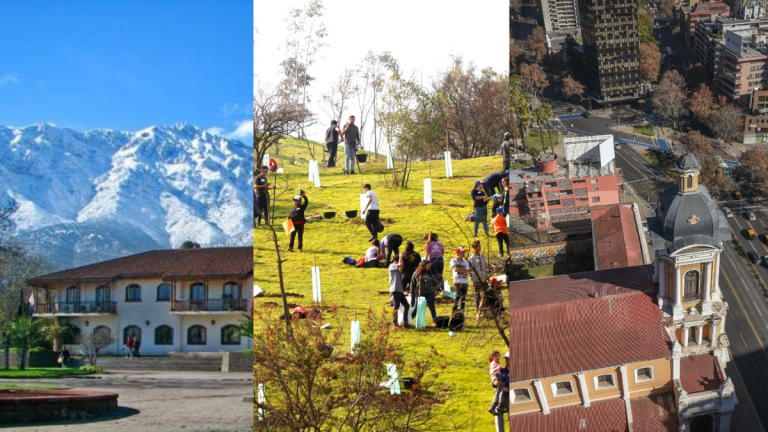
(516, 57)
(754, 165)
(572, 87)
(702, 103)
(537, 43)
(715, 178)
(727, 122)
(650, 62)
(533, 79)
(669, 97)
(698, 145)
(519, 104)
(667, 9)
(696, 75)
(645, 30)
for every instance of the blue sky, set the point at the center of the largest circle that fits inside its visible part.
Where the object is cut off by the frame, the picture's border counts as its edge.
(128, 64)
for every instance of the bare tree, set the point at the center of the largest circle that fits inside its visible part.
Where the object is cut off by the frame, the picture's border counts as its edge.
(667, 8)
(669, 97)
(516, 57)
(727, 122)
(335, 101)
(698, 145)
(92, 344)
(702, 103)
(376, 66)
(307, 33)
(274, 118)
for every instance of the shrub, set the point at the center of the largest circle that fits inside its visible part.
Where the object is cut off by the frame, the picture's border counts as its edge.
(91, 368)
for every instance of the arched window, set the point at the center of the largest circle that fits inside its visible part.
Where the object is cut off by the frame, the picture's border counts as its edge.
(131, 331)
(103, 295)
(133, 293)
(164, 335)
(197, 293)
(196, 335)
(691, 285)
(73, 295)
(231, 291)
(102, 335)
(690, 181)
(164, 292)
(230, 335)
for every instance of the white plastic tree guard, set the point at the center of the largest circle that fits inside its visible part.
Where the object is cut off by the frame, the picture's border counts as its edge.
(427, 191)
(448, 165)
(312, 170)
(355, 335)
(265, 161)
(390, 162)
(363, 203)
(316, 296)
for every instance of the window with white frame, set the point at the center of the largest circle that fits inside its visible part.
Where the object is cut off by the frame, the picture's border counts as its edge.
(604, 381)
(521, 395)
(644, 374)
(562, 388)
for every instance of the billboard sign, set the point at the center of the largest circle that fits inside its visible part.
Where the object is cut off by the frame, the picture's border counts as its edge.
(733, 42)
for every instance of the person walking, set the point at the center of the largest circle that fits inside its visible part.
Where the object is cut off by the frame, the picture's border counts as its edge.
(423, 285)
(298, 219)
(504, 151)
(391, 243)
(136, 347)
(371, 212)
(129, 347)
(500, 230)
(460, 268)
(332, 143)
(434, 252)
(492, 183)
(411, 260)
(478, 271)
(480, 200)
(351, 136)
(261, 189)
(398, 295)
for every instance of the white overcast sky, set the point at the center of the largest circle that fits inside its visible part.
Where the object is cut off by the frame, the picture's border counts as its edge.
(421, 34)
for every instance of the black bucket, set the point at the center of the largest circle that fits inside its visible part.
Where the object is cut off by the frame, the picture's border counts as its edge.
(361, 157)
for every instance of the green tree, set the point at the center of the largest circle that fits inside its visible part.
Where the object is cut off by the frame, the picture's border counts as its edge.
(26, 333)
(519, 104)
(645, 29)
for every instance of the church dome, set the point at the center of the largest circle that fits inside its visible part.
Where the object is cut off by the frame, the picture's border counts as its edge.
(687, 162)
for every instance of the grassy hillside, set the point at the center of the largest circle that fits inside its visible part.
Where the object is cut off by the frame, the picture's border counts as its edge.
(329, 241)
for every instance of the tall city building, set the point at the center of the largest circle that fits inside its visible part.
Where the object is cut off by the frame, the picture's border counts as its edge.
(560, 16)
(608, 63)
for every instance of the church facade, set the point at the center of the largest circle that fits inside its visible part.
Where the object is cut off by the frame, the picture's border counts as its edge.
(635, 348)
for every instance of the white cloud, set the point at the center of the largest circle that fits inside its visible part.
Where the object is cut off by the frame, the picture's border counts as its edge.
(8, 79)
(243, 131)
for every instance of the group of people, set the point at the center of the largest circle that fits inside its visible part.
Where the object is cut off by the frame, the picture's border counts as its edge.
(350, 136)
(132, 346)
(481, 194)
(409, 273)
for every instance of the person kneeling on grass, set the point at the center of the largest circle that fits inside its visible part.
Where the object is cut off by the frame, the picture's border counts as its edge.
(423, 285)
(398, 296)
(499, 224)
(373, 255)
(491, 304)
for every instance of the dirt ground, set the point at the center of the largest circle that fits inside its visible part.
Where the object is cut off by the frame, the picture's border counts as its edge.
(163, 401)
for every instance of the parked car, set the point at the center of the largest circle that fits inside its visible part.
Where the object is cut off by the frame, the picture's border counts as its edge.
(764, 238)
(750, 215)
(753, 256)
(557, 79)
(617, 146)
(749, 234)
(737, 194)
(572, 108)
(588, 114)
(727, 212)
(765, 260)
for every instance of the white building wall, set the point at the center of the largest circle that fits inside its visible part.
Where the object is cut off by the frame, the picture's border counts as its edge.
(149, 314)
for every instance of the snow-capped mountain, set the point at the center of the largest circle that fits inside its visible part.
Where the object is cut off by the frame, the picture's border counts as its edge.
(88, 196)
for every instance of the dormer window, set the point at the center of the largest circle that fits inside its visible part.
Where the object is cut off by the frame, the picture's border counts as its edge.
(562, 388)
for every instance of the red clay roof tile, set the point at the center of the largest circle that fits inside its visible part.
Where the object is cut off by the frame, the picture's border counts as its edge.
(168, 264)
(655, 413)
(698, 373)
(615, 236)
(560, 330)
(605, 415)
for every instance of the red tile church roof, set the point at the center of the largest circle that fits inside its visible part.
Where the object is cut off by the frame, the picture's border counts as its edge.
(698, 373)
(655, 413)
(615, 237)
(556, 328)
(168, 264)
(605, 415)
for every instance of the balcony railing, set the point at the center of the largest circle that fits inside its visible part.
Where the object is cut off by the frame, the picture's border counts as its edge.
(210, 305)
(102, 307)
